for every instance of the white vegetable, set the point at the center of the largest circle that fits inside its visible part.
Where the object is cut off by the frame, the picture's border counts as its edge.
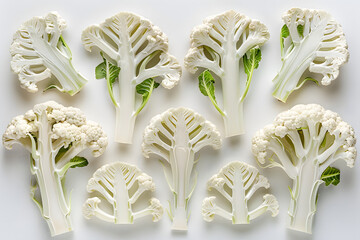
(114, 182)
(310, 40)
(39, 51)
(305, 141)
(227, 45)
(134, 55)
(54, 135)
(175, 136)
(243, 181)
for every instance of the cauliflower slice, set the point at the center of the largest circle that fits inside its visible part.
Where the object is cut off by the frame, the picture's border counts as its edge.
(54, 135)
(310, 40)
(39, 51)
(305, 141)
(135, 61)
(227, 45)
(243, 180)
(114, 182)
(176, 136)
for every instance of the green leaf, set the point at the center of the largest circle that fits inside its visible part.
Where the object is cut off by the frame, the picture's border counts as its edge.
(285, 31)
(300, 30)
(331, 176)
(325, 141)
(207, 88)
(78, 161)
(283, 34)
(250, 63)
(100, 70)
(62, 41)
(64, 47)
(206, 84)
(110, 72)
(61, 152)
(145, 89)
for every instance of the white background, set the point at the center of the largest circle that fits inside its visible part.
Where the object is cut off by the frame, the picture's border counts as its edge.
(338, 207)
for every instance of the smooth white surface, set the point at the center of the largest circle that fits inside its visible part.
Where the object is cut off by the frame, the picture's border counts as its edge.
(338, 207)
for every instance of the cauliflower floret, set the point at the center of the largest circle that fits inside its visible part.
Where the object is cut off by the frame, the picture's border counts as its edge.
(215, 182)
(156, 209)
(75, 116)
(208, 209)
(145, 181)
(66, 131)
